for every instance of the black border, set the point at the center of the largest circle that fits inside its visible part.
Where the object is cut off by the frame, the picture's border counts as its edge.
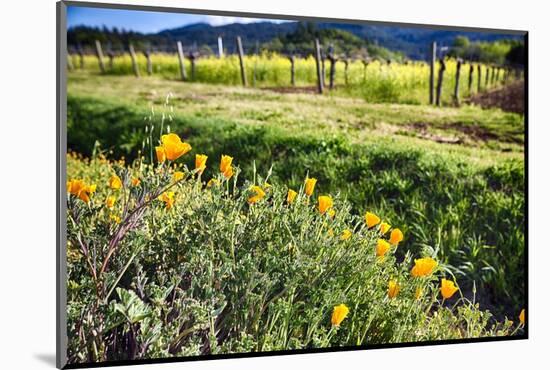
(288, 352)
(61, 173)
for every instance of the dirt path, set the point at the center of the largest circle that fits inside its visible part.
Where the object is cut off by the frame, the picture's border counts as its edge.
(292, 89)
(510, 98)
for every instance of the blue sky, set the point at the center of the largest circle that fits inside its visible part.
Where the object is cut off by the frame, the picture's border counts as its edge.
(144, 21)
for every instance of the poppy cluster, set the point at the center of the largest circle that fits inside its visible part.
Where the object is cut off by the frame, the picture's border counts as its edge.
(172, 148)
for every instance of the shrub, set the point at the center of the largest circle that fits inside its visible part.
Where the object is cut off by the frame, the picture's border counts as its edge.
(162, 262)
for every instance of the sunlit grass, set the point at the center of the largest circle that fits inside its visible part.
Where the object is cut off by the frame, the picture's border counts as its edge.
(378, 82)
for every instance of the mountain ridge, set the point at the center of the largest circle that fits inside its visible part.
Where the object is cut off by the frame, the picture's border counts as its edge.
(413, 42)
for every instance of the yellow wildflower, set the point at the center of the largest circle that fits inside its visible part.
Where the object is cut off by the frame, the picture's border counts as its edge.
(225, 163)
(258, 194)
(290, 196)
(115, 218)
(74, 185)
(325, 203)
(110, 201)
(212, 182)
(80, 189)
(115, 182)
(310, 186)
(396, 236)
(382, 247)
(228, 172)
(448, 288)
(178, 175)
(423, 266)
(346, 234)
(161, 154)
(173, 146)
(200, 162)
(393, 289)
(384, 227)
(371, 219)
(331, 212)
(522, 316)
(339, 313)
(135, 181)
(418, 293)
(168, 198)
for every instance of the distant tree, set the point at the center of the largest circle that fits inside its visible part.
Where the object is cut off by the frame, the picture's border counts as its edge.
(461, 42)
(275, 45)
(494, 52)
(342, 43)
(516, 55)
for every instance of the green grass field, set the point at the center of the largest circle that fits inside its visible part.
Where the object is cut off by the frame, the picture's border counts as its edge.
(453, 177)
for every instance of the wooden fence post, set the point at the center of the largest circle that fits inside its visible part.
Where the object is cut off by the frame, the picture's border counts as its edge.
(493, 71)
(134, 60)
(81, 56)
(99, 54)
(486, 77)
(292, 70)
(111, 57)
(432, 70)
(192, 57)
(181, 59)
(241, 60)
(318, 66)
(332, 59)
(457, 82)
(74, 60)
(323, 70)
(220, 47)
(255, 69)
(70, 66)
(365, 65)
(470, 78)
(346, 65)
(440, 82)
(478, 78)
(147, 55)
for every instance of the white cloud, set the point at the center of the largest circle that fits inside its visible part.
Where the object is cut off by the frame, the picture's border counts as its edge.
(216, 20)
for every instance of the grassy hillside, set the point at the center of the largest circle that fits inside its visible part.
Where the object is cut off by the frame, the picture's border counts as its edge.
(486, 131)
(453, 177)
